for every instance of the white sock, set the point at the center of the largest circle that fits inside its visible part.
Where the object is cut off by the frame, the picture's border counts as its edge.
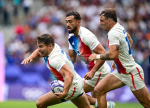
(96, 104)
(107, 104)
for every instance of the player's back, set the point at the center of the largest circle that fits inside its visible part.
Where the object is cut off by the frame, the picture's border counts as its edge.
(118, 35)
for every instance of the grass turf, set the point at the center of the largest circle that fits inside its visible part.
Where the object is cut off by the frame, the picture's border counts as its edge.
(31, 104)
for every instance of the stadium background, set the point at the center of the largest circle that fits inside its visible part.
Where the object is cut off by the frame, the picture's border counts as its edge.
(21, 21)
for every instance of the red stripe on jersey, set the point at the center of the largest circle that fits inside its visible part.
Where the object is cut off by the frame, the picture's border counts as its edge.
(85, 52)
(140, 74)
(133, 81)
(56, 74)
(72, 93)
(108, 40)
(98, 79)
(120, 67)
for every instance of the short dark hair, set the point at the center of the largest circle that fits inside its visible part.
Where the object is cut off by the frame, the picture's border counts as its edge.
(75, 14)
(109, 13)
(46, 38)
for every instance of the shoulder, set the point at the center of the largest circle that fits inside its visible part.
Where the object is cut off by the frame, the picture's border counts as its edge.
(112, 32)
(55, 59)
(84, 31)
(70, 35)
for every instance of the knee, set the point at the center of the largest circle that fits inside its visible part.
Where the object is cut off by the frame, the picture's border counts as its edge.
(99, 91)
(39, 103)
(146, 104)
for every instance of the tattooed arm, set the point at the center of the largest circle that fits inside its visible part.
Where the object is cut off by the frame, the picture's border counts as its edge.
(111, 55)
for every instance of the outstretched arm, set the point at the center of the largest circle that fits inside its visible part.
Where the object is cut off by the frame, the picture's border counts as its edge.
(35, 55)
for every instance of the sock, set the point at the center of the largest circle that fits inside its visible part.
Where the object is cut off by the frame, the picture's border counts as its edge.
(107, 104)
(96, 104)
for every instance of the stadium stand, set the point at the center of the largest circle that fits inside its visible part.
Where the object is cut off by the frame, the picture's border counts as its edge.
(30, 19)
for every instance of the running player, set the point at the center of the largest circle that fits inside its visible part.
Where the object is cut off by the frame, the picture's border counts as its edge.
(62, 68)
(128, 72)
(83, 43)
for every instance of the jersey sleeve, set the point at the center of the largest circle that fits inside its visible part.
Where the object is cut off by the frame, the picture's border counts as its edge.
(113, 38)
(91, 41)
(57, 63)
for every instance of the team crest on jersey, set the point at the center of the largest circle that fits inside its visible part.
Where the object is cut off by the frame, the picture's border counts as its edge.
(73, 43)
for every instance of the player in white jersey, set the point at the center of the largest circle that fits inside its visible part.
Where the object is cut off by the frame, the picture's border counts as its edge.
(62, 68)
(83, 43)
(127, 71)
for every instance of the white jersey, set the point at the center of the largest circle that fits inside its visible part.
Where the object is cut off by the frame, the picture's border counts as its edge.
(84, 45)
(56, 59)
(118, 36)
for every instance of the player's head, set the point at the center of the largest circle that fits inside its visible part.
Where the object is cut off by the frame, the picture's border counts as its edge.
(45, 44)
(73, 20)
(108, 18)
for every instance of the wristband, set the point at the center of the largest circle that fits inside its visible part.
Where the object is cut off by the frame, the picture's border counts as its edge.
(98, 56)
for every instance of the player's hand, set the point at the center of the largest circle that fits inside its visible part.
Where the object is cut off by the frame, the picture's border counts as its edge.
(89, 75)
(92, 57)
(113, 66)
(60, 95)
(27, 60)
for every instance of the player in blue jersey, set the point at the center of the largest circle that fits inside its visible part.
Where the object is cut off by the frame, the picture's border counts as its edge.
(62, 68)
(127, 72)
(83, 43)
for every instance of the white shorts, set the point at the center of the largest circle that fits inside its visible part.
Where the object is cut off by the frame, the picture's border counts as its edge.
(75, 90)
(99, 75)
(134, 80)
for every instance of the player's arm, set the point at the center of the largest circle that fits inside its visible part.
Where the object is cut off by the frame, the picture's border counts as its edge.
(66, 72)
(98, 50)
(111, 55)
(35, 55)
(130, 39)
(72, 55)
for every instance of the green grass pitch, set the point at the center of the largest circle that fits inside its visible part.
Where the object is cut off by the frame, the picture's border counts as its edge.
(31, 104)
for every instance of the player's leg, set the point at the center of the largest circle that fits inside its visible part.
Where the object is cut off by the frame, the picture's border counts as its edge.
(110, 82)
(93, 100)
(90, 84)
(140, 90)
(87, 88)
(135, 81)
(93, 94)
(47, 100)
(143, 96)
(82, 101)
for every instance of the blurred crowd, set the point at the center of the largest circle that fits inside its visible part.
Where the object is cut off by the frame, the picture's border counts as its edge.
(134, 15)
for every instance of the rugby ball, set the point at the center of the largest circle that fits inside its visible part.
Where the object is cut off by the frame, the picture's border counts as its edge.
(57, 86)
